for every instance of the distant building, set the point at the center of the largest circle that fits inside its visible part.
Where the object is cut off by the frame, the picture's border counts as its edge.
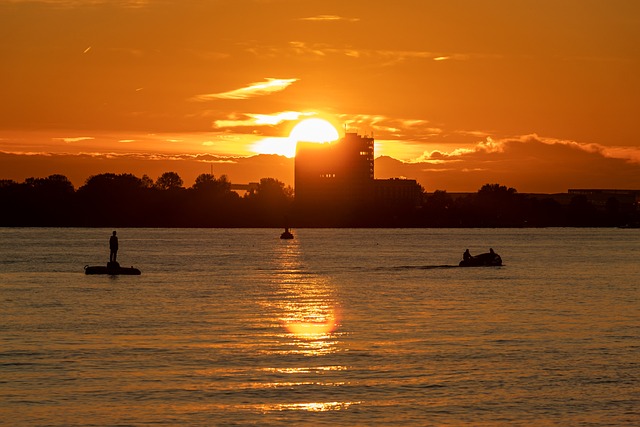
(398, 192)
(340, 175)
(338, 172)
(251, 187)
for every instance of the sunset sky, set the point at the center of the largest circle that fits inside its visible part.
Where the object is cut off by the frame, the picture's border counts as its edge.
(540, 95)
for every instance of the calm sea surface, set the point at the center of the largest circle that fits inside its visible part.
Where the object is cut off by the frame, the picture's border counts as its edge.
(336, 327)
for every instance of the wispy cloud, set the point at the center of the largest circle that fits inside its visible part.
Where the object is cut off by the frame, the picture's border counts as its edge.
(329, 18)
(74, 139)
(386, 127)
(388, 57)
(266, 87)
(249, 119)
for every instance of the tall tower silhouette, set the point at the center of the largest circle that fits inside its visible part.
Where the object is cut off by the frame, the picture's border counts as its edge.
(338, 172)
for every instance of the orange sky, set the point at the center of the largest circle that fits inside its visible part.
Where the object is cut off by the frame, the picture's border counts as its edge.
(541, 95)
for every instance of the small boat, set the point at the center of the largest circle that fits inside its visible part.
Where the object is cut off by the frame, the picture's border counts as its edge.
(286, 234)
(489, 259)
(112, 268)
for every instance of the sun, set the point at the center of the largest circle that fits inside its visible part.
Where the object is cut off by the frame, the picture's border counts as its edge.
(314, 130)
(308, 130)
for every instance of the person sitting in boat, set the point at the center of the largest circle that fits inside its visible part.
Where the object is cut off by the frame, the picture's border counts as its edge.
(491, 251)
(466, 255)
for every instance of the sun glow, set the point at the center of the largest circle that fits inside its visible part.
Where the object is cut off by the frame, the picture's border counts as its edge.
(314, 130)
(307, 130)
(281, 146)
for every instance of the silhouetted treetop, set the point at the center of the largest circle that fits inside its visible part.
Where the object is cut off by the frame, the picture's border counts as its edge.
(271, 188)
(496, 190)
(169, 181)
(208, 183)
(110, 183)
(56, 184)
(147, 182)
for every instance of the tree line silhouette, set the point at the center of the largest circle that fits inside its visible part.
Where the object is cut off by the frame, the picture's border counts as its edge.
(125, 200)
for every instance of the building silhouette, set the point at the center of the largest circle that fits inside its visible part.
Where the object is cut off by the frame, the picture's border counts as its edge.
(336, 181)
(398, 192)
(338, 172)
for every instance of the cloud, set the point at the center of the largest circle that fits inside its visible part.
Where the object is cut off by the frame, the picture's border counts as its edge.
(385, 127)
(320, 49)
(266, 87)
(250, 120)
(384, 57)
(74, 139)
(529, 163)
(473, 133)
(329, 18)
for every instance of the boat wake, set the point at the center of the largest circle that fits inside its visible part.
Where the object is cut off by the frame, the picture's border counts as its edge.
(414, 267)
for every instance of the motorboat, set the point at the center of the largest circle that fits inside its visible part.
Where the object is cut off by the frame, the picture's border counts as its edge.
(112, 268)
(489, 259)
(286, 234)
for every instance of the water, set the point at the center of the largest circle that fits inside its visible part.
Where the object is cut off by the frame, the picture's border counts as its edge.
(335, 327)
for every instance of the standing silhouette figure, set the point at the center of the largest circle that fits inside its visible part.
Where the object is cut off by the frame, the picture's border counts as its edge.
(113, 246)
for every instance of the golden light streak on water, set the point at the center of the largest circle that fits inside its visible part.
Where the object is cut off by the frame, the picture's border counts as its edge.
(316, 329)
(306, 370)
(307, 304)
(311, 406)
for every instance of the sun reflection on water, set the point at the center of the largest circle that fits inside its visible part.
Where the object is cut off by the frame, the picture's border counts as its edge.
(305, 370)
(313, 328)
(311, 406)
(307, 304)
(306, 308)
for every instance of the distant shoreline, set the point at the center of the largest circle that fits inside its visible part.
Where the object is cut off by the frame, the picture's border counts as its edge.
(126, 201)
